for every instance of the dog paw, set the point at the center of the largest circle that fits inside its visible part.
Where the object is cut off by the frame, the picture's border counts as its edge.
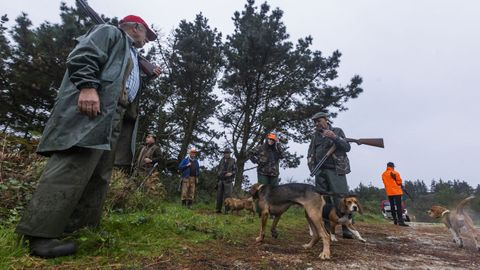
(333, 238)
(324, 256)
(259, 239)
(363, 240)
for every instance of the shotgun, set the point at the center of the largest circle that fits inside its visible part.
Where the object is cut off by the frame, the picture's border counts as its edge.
(377, 142)
(145, 66)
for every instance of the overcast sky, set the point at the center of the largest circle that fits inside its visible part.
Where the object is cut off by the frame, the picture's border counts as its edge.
(419, 61)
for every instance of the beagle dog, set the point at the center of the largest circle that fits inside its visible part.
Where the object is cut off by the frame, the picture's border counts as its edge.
(348, 206)
(456, 220)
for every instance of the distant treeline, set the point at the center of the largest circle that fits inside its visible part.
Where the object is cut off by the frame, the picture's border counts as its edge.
(447, 193)
(214, 92)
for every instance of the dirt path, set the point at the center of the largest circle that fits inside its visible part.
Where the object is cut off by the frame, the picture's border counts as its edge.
(388, 247)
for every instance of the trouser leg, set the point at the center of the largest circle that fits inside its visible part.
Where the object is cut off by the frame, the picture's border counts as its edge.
(60, 187)
(220, 195)
(398, 207)
(88, 211)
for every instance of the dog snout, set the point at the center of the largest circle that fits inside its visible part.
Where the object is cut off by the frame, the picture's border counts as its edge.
(355, 208)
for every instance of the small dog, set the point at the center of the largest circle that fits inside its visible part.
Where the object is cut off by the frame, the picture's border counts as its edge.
(456, 220)
(348, 206)
(275, 200)
(235, 204)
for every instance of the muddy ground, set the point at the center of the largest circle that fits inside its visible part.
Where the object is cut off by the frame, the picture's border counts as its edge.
(421, 246)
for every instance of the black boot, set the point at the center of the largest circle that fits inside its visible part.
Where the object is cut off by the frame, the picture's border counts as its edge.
(189, 204)
(184, 203)
(346, 233)
(50, 247)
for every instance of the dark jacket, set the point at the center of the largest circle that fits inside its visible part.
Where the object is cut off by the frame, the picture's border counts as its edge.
(148, 151)
(227, 166)
(319, 146)
(268, 158)
(101, 57)
(186, 169)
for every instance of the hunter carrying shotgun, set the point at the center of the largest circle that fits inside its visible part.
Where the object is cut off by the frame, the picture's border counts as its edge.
(328, 161)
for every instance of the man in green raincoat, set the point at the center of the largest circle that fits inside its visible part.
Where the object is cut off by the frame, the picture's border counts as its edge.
(99, 91)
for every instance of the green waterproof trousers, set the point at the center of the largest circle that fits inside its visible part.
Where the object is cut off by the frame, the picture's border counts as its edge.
(72, 189)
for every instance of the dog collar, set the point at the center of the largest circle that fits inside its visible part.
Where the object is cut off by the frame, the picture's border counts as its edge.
(445, 212)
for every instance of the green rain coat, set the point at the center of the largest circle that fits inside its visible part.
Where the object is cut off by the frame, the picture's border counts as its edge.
(95, 61)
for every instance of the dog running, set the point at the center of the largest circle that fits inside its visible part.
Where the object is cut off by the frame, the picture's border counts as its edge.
(275, 200)
(456, 220)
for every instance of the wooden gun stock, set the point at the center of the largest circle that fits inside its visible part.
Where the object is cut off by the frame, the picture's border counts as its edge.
(377, 142)
(144, 64)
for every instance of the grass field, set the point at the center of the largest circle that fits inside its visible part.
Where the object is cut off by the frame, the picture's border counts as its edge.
(133, 240)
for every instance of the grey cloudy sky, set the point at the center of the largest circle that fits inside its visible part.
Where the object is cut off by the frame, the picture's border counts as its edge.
(419, 61)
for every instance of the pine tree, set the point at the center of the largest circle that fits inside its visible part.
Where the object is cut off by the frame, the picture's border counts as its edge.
(273, 85)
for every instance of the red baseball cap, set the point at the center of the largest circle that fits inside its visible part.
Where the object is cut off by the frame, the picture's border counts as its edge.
(132, 18)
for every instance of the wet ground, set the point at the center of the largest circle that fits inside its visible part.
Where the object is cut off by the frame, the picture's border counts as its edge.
(421, 246)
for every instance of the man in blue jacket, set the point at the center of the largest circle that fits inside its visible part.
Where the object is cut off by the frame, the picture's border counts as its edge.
(190, 171)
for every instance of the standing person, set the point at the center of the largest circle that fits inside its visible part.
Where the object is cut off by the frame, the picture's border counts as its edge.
(332, 176)
(268, 156)
(148, 156)
(100, 84)
(226, 171)
(190, 171)
(393, 188)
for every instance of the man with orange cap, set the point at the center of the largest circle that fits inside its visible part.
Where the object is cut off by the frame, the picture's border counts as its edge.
(393, 188)
(99, 92)
(268, 156)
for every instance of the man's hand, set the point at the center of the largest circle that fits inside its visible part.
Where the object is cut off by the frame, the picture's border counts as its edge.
(89, 102)
(328, 133)
(228, 174)
(147, 160)
(157, 71)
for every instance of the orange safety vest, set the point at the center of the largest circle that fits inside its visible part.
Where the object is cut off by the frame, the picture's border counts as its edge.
(392, 181)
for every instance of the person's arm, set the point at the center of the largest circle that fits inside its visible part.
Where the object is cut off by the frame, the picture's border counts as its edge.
(253, 155)
(85, 63)
(184, 164)
(156, 155)
(398, 179)
(340, 141)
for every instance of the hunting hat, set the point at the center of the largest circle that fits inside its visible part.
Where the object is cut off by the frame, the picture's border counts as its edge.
(227, 150)
(390, 164)
(319, 115)
(271, 136)
(135, 19)
(151, 134)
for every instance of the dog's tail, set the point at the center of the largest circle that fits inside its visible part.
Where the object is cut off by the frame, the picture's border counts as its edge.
(463, 203)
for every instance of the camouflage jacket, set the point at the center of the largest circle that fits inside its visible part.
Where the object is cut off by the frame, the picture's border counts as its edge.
(227, 166)
(319, 146)
(268, 158)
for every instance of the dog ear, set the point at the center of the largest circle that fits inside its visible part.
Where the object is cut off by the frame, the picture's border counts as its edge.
(343, 205)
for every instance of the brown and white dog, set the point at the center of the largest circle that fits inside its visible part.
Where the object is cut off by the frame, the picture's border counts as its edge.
(348, 206)
(275, 200)
(456, 220)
